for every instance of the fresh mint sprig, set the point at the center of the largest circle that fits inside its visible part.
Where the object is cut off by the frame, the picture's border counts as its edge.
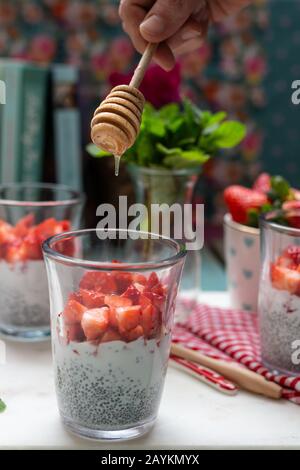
(2, 406)
(178, 137)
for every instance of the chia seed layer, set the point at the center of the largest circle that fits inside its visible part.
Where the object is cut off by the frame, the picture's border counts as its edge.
(279, 327)
(24, 298)
(113, 386)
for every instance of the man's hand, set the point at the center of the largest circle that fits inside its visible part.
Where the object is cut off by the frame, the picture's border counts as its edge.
(179, 25)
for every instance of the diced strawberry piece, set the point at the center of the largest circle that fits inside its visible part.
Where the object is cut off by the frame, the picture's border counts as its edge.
(156, 299)
(117, 301)
(292, 253)
(96, 280)
(91, 299)
(150, 321)
(76, 296)
(110, 335)
(158, 289)
(6, 233)
(139, 287)
(133, 294)
(128, 317)
(112, 316)
(74, 332)
(123, 280)
(16, 253)
(133, 334)
(23, 226)
(94, 322)
(50, 227)
(144, 301)
(240, 200)
(285, 279)
(152, 281)
(139, 278)
(73, 312)
(46, 229)
(294, 217)
(62, 226)
(262, 183)
(33, 245)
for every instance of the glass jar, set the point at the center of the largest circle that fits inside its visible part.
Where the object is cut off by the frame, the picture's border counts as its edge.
(163, 186)
(30, 213)
(279, 293)
(112, 305)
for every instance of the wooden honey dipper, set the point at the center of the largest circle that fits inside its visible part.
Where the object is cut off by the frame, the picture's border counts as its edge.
(116, 122)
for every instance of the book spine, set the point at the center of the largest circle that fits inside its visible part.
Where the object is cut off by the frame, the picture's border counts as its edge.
(67, 128)
(11, 127)
(2, 104)
(34, 96)
(68, 148)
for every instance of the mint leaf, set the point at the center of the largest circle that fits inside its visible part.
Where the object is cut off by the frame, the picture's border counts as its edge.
(253, 218)
(186, 159)
(217, 118)
(229, 134)
(169, 112)
(2, 406)
(96, 152)
(280, 188)
(175, 124)
(145, 150)
(166, 151)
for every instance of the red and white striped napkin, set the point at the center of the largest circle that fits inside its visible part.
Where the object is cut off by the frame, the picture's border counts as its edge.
(232, 335)
(210, 377)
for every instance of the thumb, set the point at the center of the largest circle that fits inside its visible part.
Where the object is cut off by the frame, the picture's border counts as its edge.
(165, 18)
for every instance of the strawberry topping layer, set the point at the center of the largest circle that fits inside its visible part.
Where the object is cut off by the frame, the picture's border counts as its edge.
(285, 272)
(23, 241)
(110, 306)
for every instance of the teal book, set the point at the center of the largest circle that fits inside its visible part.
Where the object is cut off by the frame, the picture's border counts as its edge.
(11, 125)
(35, 81)
(2, 101)
(67, 126)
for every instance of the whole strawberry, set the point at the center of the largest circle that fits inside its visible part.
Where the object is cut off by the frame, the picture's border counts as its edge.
(243, 203)
(262, 184)
(293, 213)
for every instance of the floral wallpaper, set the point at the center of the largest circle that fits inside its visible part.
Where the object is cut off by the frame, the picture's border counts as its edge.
(230, 71)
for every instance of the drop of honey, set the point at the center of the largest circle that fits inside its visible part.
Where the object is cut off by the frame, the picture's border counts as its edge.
(117, 164)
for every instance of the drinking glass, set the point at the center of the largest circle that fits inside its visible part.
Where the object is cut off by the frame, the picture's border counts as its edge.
(112, 303)
(30, 213)
(279, 294)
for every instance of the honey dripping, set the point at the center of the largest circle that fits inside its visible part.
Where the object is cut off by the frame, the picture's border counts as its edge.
(117, 164)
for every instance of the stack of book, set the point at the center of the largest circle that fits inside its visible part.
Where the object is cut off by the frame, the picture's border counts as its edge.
(25, 132)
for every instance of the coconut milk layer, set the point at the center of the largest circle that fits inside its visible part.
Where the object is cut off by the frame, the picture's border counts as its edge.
(111, 386)
(279, 327)
(24, 298)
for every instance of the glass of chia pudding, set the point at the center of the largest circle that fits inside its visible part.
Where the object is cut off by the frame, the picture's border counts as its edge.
(279, 296)
(112, 307)
(29, 214)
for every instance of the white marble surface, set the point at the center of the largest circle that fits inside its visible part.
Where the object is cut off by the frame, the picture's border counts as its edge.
(192, 415)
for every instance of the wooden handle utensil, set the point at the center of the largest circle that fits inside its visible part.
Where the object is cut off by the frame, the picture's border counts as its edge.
(241, 376)
(116, 122)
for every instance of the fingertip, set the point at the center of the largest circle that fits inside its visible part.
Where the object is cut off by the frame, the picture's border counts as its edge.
(164, 57)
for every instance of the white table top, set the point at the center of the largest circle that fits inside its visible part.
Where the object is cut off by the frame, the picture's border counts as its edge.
(192, 415)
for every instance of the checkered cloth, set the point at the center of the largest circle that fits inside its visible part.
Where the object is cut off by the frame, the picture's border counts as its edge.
(230, 335)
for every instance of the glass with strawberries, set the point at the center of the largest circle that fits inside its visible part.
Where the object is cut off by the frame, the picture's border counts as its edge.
(279, 296)
(29, 214)
(112, 308)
